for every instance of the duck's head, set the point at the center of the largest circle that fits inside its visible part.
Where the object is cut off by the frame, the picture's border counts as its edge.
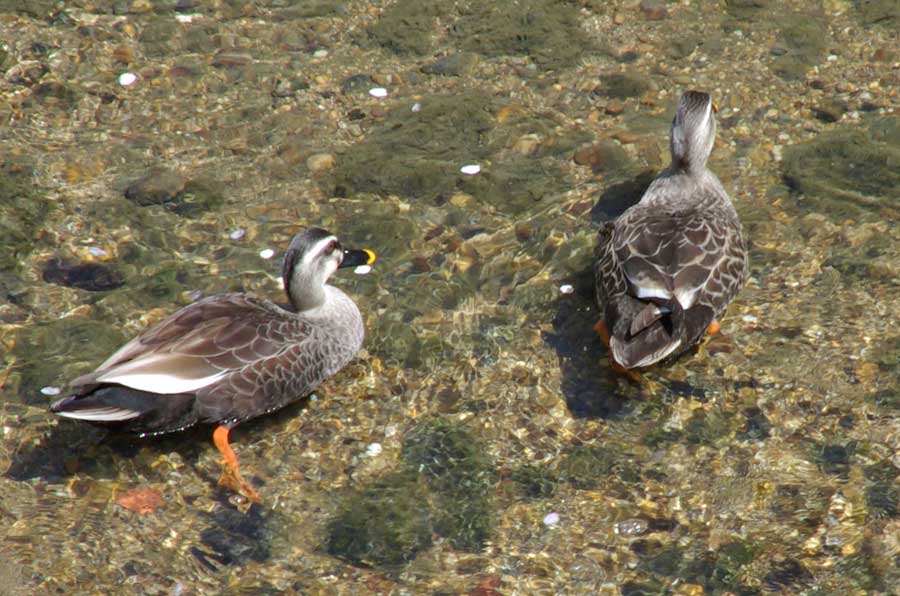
(312, 257)
(693, 130)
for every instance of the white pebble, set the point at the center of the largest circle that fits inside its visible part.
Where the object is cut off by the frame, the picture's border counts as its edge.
(566, 289)
(470, 169)
(267, 253)
(551, 519)
(237, 234)
(378, 92)
(320, 53)
(416, 107)
(185, 18)
(362, 269)
(374, 449)
(127, 78)
(750, 319)
(97, 251)
(50, 390)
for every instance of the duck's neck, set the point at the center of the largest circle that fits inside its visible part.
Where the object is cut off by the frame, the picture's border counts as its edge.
(305, 292)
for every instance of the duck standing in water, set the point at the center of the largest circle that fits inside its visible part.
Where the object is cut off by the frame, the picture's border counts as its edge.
(230, 357)
(670, 264)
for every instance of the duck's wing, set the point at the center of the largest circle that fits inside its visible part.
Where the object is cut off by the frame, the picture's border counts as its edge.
(693, 256)
(196, 347)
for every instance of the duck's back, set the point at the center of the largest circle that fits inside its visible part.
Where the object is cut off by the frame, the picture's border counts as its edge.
(682, 243)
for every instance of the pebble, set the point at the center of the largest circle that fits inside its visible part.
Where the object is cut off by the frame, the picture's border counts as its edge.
(96, 251)
(527, 144)
(470, 169)
(363, 269)
(416, 107)
(230, 59)
(127, 79)
(267, 253)
(830, 110)
(654, 10)
(374, 449)
(49, 390)
(378, 92)
(566, 289)
(551, 519)
(631, 527)
(320, 53)
(320, 162)
(614, 107)
(237, 234)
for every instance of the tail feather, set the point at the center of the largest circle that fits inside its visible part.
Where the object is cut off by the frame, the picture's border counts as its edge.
(129, 409)
(662, 332)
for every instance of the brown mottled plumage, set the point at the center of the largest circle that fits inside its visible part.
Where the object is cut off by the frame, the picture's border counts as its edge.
(670, 265)
(230, 357)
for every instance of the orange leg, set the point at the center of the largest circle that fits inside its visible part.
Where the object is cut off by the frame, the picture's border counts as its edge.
(600, 328)
(231, 475)
(713, 328)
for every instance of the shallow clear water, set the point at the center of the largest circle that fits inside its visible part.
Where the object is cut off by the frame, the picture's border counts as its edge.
(480, 443)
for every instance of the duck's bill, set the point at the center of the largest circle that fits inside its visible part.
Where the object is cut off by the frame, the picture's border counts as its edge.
(356, 257)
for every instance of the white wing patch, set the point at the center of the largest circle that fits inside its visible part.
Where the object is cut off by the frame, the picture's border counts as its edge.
(159, 383)
(653, 292)
(686, 297)
(101, 414)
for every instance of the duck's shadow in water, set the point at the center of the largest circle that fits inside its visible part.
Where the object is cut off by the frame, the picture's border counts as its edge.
(591, 387)
(72, 447)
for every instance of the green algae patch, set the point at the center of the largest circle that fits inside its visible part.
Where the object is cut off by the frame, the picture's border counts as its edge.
(547, 31)
(23, 210)
(535, 481)
(408, 27)
(443, 486)
(585, 466)
(386, 523)
(803, 41)
(418, 154)
(459, 475)
(878, 12)
(623, 85)
(748, 9)
(847, 170)
(55, 352)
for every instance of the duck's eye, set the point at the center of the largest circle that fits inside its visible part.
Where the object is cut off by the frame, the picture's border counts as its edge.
(333, 246)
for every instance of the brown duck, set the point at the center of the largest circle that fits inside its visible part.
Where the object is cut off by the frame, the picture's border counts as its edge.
(230, 357)
(670, 264)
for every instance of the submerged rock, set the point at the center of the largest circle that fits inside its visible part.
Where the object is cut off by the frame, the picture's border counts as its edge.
(155, 187)
(188, 198)
(93, 277)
